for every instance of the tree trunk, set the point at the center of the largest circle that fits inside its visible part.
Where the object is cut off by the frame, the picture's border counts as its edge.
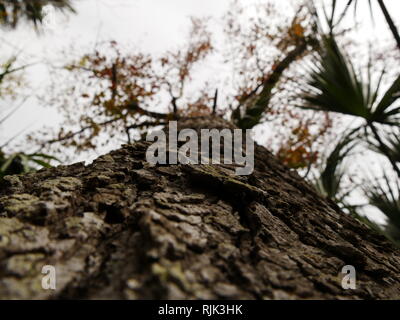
(120, 228)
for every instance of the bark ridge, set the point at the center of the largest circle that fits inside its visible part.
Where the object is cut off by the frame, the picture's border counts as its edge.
(120, 228)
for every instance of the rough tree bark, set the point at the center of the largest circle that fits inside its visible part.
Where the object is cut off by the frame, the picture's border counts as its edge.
(120, 228)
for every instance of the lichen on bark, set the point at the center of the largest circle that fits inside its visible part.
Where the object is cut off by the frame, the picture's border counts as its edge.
(121, 228)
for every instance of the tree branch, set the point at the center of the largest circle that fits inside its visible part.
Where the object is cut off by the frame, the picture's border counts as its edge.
(133, 106)
(145, 124)
(73, 134)
(256, 105)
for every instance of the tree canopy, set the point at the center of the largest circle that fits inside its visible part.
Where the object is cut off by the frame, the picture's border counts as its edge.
(291, 71)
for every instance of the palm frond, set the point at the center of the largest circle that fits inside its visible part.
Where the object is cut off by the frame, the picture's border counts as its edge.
(19, 162)
(392, 142)
(386, 197)
(384, 111)
(384, 10)
(336, 86)
(13, 11)
(355, 6)
(330, 180)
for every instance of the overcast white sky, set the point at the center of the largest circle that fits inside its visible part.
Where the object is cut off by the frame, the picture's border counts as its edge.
(151, 25)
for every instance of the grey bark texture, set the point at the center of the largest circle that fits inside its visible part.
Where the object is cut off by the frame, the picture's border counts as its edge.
(122, 229)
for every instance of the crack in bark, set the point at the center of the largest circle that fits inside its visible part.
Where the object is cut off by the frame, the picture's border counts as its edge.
(120, 228)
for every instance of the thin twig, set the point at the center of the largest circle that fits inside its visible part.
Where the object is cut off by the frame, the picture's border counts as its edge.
(214, 109)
